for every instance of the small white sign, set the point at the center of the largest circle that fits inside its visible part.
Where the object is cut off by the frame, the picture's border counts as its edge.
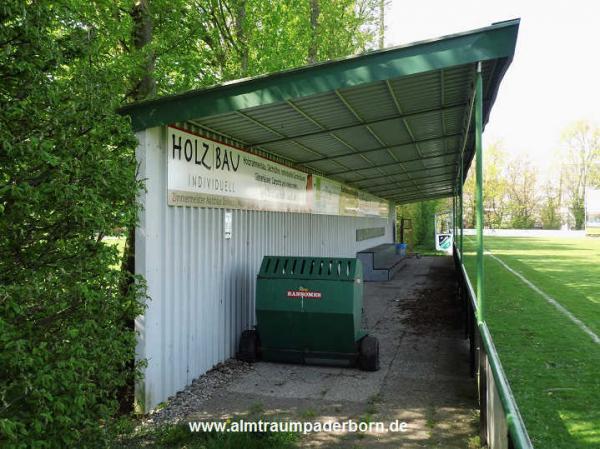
(228, 224)
(443, 242)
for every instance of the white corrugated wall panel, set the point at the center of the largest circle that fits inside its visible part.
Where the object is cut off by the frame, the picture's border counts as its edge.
(201, 286)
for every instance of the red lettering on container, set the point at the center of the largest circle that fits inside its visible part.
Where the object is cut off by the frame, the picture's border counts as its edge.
(304, 294)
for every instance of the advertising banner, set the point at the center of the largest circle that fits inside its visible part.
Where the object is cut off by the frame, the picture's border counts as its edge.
(333, 198)
(206, 173)
(326, 196)
(371, 206)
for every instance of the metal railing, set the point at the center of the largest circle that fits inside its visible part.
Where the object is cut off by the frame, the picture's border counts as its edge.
(501, 424)
(497, 430)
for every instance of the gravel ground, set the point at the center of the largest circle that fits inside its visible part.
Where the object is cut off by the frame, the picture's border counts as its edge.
(190, 400)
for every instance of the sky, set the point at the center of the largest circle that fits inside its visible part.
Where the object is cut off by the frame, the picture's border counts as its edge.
(554, 78)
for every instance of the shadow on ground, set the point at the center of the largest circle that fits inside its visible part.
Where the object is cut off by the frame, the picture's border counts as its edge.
(424, 377)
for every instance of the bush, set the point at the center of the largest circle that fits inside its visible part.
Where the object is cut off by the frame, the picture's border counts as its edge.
(421, 236)
(67, 179)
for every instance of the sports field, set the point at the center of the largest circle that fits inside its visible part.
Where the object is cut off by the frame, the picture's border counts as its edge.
(550, 350)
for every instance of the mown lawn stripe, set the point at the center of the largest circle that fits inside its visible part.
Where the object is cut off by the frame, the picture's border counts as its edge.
(553, 368)
(549, 299)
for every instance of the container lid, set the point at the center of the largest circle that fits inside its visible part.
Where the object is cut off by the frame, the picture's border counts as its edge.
(280, 267)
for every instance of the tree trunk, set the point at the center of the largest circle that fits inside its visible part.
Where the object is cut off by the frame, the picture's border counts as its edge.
(381, 23)
(142, 36)
(240, 20)
(144, 88)
(314, 26)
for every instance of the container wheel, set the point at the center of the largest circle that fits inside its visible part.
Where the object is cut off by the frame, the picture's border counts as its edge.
(248, 349)
(368, 359)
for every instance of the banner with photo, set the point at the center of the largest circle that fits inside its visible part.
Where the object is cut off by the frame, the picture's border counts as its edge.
(333, 198)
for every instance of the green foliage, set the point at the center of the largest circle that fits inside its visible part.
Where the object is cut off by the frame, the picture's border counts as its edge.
(580, 166)
(577, 208)
(203, 42)
(421, 236)
(549, 213)
(67, 178)
(180, 437)
(510, 192)
(522, 196)
(521, 221)
(494, 189)
(424, 224)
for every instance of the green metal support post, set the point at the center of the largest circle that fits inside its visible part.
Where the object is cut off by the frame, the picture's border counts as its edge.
(479, 192)
(454, 237)
(454, 215)
(460, 207)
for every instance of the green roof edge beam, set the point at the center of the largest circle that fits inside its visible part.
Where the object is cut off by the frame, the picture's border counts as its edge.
(493, 42)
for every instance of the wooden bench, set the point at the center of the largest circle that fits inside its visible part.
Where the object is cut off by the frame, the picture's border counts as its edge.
(381, 262)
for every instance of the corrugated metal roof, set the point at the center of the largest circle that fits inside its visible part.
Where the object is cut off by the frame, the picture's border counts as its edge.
(390, 122)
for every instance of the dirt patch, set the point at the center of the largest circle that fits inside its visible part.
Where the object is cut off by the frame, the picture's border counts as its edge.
(434, 307)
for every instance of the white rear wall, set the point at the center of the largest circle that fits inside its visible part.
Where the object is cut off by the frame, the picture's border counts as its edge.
(201, 286)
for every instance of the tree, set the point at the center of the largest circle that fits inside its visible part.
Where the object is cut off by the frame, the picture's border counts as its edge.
(381, 31)
(549, 210)
(469, 203)
(314, 31)
(221, 40)
(240, 34)
(145, 86)
(522, 195)
(67, 180)
(580, 166)
(495, 185)
(494, 189)
(422, 216)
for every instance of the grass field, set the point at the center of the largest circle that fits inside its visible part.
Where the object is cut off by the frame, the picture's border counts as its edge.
(553, 366)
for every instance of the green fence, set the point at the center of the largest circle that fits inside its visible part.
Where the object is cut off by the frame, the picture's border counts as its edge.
(501, 424)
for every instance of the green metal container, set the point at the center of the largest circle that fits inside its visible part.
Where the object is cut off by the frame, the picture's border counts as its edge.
(309, 310)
